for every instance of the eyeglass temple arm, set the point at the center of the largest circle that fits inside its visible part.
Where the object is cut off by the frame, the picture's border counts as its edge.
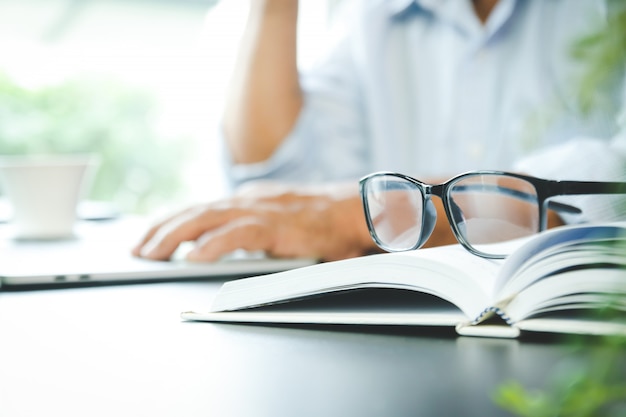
(556, 188)
(565, 188)
(523, 196)
(563, 208)
(552, 188)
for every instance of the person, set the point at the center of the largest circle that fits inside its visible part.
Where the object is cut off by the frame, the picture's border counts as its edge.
(430, 88)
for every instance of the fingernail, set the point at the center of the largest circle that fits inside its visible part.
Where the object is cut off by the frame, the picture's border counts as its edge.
(193, 255)
(148, 250)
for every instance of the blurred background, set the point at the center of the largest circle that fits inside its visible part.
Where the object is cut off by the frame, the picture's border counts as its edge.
(139, 82)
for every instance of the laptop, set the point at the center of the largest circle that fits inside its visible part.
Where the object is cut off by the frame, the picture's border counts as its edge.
(100, 254)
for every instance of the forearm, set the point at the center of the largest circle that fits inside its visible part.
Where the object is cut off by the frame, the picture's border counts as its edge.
(264, 97)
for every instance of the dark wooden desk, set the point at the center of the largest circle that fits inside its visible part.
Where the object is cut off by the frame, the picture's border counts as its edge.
(123, 351)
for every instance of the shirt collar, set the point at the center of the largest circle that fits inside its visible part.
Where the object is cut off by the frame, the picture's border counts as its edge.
(458, 12)
(398, 6)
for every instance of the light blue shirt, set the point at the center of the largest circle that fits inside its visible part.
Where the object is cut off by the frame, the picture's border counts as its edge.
(423, 88)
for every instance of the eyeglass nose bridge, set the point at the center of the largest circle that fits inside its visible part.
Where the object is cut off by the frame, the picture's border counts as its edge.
(454, 214)
(429, 218)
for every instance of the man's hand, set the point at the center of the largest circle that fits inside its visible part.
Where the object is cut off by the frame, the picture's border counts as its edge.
(284, 221)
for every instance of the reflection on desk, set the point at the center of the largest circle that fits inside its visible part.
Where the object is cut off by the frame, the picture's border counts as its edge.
(124, 351)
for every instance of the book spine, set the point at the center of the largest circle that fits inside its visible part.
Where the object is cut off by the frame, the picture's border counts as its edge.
(489, 312)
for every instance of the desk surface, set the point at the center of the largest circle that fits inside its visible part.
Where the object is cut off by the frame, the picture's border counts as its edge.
(123, 351)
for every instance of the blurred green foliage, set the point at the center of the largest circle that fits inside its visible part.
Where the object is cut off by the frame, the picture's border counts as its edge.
(589, 382)
(138, 168)
(604, 55)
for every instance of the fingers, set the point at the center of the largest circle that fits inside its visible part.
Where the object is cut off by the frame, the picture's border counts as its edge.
(282, 223)
(248, 233)
(163, 239)
(136, 251)
(220, 228)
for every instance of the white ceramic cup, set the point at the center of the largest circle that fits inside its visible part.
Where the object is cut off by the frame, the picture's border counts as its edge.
(43, 192)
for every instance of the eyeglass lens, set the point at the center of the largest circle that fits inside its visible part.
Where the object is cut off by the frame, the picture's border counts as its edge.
(490, 209)
(486, 209)
(395, 209)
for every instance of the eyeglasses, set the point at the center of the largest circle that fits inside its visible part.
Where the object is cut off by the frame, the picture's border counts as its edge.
(484, 208)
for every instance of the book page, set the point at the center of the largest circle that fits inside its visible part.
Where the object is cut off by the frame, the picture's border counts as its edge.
(545, 243)
(573, 289)
(566, 268)
(574, 326)
(450, 273)
(479, 272)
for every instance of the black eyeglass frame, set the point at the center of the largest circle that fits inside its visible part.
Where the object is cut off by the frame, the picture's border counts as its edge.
(545, 190)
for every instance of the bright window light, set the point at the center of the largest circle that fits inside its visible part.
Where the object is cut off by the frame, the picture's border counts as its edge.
(179, 51)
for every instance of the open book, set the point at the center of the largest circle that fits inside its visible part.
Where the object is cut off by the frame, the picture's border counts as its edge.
(556, 281)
